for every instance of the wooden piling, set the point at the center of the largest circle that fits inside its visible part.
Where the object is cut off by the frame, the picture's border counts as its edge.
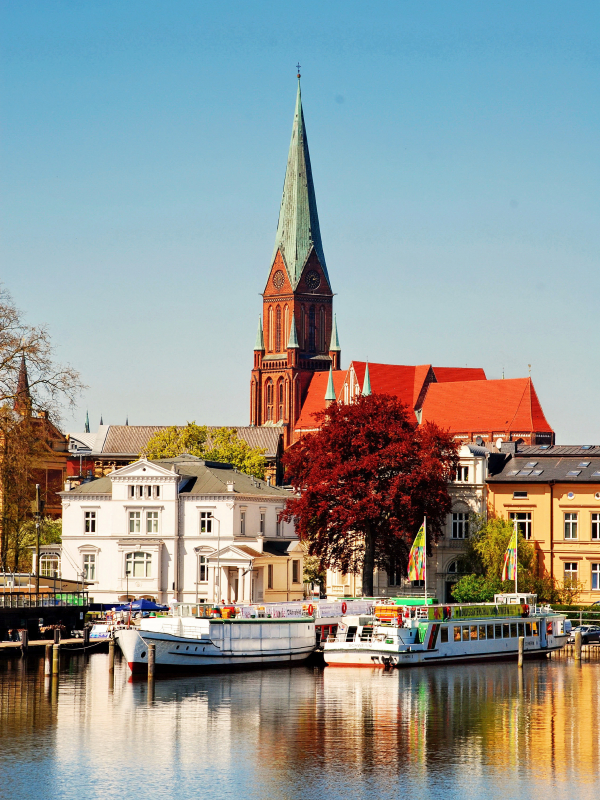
(56, 635)
(24, 641)
(86, 636)
(577, 645)
(151, 661)
(48, 660)
(55, 659)
(521, 650)
(111, 655)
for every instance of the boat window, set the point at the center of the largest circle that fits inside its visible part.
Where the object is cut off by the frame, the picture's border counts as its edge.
(490, 631)
(457, 633)
(513, 630)
(498, 629)
(528, 629)
(505, 630)
(534, 627)
(473, 631)
(444, 633)
(482, 632)
(465, 631)
(521, 629)
(351, 633)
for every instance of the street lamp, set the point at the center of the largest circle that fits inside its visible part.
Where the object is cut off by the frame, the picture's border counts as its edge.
(218, 574)
(127, 580)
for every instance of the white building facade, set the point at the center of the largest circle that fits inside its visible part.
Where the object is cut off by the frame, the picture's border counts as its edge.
(181, 528)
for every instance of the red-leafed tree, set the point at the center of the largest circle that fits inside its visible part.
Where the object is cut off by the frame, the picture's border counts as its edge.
(365, 481)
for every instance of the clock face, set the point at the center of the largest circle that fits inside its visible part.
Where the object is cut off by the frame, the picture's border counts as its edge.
(312, 280)
(278, 279)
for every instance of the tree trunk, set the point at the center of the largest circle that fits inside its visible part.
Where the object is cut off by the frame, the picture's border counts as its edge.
(368, 565)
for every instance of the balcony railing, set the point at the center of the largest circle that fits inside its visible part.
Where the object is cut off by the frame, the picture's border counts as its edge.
(42, 600)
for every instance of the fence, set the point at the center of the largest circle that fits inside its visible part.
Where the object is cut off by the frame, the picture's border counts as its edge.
(43, 600)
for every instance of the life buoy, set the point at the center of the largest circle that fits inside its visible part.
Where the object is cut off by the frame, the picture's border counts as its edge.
(525, 610)
(344, 607)
(310, 610)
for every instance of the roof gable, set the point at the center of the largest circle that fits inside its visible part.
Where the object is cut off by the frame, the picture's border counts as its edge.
(142, 469)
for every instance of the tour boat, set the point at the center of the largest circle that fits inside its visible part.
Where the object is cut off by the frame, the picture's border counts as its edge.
(188, 640)
(396, 636)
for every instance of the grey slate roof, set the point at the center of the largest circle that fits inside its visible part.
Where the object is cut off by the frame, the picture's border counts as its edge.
(558, 450)
(98, 486)
(298, 229)
(504, 469)
(211, 477)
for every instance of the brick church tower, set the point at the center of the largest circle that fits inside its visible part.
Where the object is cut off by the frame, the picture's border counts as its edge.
(297, 334)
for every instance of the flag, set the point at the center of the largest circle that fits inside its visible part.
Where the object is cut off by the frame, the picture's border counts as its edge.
(509, 570)
(416, 557)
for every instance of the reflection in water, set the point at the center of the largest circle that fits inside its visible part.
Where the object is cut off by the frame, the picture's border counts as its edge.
(470, 731)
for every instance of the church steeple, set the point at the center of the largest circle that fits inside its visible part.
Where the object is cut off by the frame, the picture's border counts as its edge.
(22, 404)
(298, 229)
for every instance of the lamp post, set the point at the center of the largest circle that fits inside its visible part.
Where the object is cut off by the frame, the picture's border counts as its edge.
(218, 575)
(127, 582)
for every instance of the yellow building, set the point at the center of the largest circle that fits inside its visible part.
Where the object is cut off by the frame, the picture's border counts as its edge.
(554, 494)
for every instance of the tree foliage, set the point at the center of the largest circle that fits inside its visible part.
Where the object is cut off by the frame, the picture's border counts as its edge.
(365, 481)
(221, 444)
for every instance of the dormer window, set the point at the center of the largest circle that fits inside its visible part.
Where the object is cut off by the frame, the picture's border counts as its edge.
(462, 474)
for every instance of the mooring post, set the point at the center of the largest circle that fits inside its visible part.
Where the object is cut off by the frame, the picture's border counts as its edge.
(24, 641)
(577, 645)
(151, 661)
(521, 649)
(55, 659)
(56, 635)
(111, 655)
(48, 660)
(86, 636)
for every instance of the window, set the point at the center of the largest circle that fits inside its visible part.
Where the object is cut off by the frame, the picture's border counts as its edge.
(151, 521)
(242, 523)
(460, 525)
(595, 526)
(269, 399)
(444, 634)
(571, 571)
(490, 631)
(270, 576)
(311, 330)
(138, 565)
(206, 522)
(505, 630)
(394, 574)
(148, 491)
(457, 633)
(570, 526)
(278, 530)
(531, 464)
(295, 571)
(462, 474)
(322, 330)
(134, 521)
(523, 519)
(140, 491)
(573, 473)
(202, 569)
(278, 329)
(132, 491)
(482, 632)
(89, 566)
(90, 522)
(584, 464)
(280, 400)
(50, 566)
(417, 584)
(596, 577)
(513, 630)
(157, 492)
(519, 495)
(261, 524)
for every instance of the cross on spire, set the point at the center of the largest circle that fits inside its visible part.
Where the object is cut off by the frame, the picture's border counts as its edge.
(298, 68)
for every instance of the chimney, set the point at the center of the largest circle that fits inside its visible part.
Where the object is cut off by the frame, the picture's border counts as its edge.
(508, 447)
(230, 486)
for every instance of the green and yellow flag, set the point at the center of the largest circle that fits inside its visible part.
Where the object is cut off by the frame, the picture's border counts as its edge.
(416, 557)
(509, 570)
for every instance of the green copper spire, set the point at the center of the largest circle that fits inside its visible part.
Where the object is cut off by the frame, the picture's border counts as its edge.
(87, 422)
(259, 344)
(298, 230)
(367, 384)
(330, 393)
(293, 340)
(335, 342)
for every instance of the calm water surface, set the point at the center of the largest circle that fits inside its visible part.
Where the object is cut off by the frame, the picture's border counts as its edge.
(454, 732)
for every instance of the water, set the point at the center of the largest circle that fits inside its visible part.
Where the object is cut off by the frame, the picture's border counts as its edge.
(476, 731)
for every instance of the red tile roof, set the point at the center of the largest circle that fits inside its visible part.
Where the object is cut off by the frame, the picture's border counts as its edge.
(451, 374)
(315, 397)
(485, 406)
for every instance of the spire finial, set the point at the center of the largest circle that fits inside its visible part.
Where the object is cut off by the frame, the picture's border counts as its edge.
(330, 393)
(334, 344)
(298, 68)
(293, 338)
(259, 344)
(366, 392)
(87, 422)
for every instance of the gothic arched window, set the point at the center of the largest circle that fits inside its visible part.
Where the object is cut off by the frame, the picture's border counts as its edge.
(269, 400)
(286, 326)
(322, 330)
(270, 331)
(280, 399)
(311, 330)
(278, 330)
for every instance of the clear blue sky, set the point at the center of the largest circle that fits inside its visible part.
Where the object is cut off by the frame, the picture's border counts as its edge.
(455, 156)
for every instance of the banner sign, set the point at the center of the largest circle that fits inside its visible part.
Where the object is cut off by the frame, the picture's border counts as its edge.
(444, 613)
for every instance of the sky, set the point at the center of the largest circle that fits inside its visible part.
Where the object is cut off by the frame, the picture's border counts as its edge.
(454, 148)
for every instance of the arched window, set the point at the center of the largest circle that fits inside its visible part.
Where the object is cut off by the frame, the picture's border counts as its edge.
(280, 399)
(322, 330)
(50, 566)
(311, 330)
(270, 331)
(138, 565)
(452, 568)
(302, 331)
(269, 400)
(278, 330)
(286, 326)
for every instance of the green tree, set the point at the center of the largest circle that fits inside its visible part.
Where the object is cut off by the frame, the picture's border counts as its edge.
(314, 572)
(476, 589)
(24, 541)
(221, 444)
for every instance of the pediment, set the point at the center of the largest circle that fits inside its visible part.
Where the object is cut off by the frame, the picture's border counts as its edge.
(143, 469)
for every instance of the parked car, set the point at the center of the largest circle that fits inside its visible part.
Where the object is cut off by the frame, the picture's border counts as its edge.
(589, 633)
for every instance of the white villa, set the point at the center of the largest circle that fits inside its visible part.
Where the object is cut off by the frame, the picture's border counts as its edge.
(183, 528)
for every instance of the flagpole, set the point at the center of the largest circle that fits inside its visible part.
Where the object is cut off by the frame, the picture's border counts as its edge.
(516, 555)
(425, 556)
